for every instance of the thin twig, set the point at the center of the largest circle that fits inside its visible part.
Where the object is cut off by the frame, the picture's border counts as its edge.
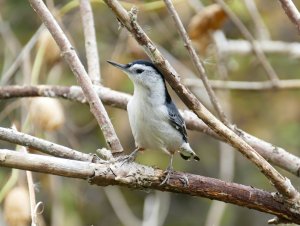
(256, 48)
(197, 62)
(273, 154)
(261, 30)
(91, 46)
(83, 79)
(227, 154)
(24, 52)
(31, 195)
(137, 176)
(129, 20)
(245, 86)
(291, 11)
(243, 47)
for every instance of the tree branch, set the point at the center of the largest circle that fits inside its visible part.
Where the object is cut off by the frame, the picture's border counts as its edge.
(91, 47)
(281, 183)
(291, 11)
(256, 48)
(44, 146)
(140, 177)
(244, 47)
(83, 79)
(273, 154)
(245, 86)
(197, 62)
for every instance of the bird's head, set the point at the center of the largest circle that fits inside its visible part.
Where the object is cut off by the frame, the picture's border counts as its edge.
(141, 72)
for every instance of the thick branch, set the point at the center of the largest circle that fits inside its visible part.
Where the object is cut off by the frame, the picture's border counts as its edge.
(273, 154)
(140, 177)
(76, 66)
(281, 183)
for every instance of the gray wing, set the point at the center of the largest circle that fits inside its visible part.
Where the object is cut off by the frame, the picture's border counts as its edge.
(176, 119)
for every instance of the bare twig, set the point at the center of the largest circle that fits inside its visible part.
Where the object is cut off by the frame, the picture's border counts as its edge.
(256, 48)
(273, 154)
(91, 46)
(243, 47)
(76, 66)
(47, 147)
(291, 11)
(32, 198)
(27, 48)
(140, 177)
(244, 86)
(261, 30)
(197, 62)
(282, 184)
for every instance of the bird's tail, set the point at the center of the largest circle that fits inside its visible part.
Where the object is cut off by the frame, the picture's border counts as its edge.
(186, 152)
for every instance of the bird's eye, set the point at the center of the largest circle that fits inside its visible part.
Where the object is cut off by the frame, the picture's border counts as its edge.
(139, 71)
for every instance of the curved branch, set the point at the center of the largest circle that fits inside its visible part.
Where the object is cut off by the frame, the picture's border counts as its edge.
(273, 154)
(138, 176)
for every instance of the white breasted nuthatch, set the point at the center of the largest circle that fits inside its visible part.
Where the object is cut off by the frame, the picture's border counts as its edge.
(155, 121)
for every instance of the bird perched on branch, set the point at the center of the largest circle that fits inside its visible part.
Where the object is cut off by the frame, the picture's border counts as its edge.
(155, 121)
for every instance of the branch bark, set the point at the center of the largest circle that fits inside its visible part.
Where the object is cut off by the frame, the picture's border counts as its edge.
(282, 184)
(83, 79)
(138, 176)
(273, 154)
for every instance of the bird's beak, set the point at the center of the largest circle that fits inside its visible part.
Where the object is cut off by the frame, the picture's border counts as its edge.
(120, 66)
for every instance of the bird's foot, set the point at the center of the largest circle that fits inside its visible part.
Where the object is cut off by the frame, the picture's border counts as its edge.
(129, 158)
(168, 173)
(184, 180)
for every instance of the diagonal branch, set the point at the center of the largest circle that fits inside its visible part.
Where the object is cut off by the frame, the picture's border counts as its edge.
(197, 62)
(140, 177)
(282, 184)
(83, 79)
(273, 154)
(291, 11)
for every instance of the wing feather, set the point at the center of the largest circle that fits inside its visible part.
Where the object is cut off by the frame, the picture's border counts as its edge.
(176, 119)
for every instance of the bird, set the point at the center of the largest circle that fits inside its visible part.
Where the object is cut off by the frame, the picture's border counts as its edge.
(154, 119)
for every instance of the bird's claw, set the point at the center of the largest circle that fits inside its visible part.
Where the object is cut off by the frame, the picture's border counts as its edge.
(184, 180)
(168, 173)
(129, 158)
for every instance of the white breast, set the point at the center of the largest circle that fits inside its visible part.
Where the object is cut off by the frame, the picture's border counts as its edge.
(149, 123)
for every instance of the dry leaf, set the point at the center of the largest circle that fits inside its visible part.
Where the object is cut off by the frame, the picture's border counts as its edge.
(209, 19)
